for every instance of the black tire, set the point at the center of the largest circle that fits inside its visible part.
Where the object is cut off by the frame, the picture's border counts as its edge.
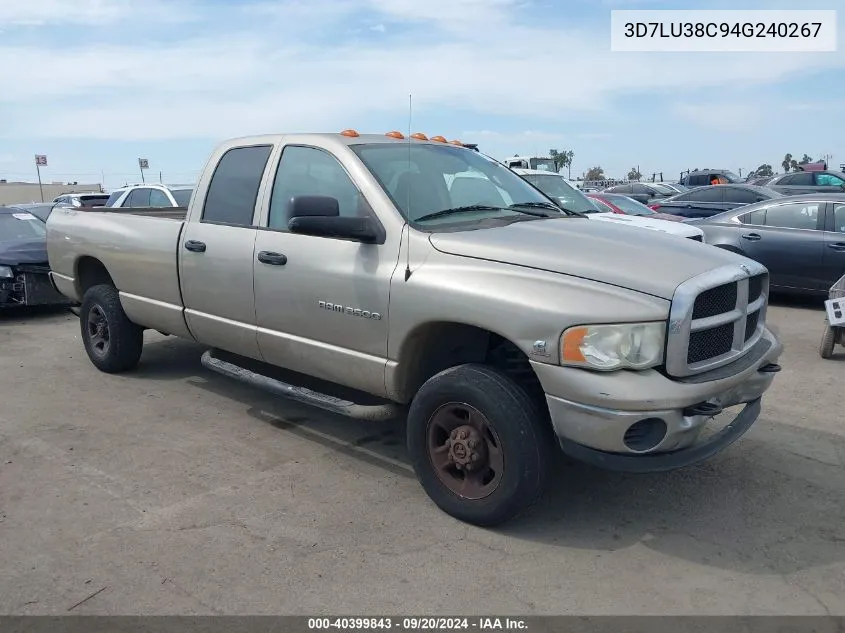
(525, 435)
(124, 339)
(828, 342)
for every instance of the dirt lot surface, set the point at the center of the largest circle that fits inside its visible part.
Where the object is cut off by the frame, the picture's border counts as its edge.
(171, 490)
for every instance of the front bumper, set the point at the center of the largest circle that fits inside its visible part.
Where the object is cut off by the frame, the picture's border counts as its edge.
(30, 286)
(645, 421)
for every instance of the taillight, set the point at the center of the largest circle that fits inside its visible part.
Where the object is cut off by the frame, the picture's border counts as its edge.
(654, 207)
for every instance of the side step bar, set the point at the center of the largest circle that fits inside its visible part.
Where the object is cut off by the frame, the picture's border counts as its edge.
(372, 413)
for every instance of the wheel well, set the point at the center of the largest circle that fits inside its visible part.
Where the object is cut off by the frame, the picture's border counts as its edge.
(91, 272)
(438, 346)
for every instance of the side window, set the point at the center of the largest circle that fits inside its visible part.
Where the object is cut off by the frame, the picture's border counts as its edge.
(744, 196)
(710, 194)
(698, 180)
(159, 199)
(234, 186)
(829, 180)
(803, 178)
(641, 189)
(794, 216)
(113, 198)
(307, 171)
(138, 198)
(755, 218)
(839, 217)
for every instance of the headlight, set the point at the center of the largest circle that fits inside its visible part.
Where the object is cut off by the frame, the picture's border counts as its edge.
(6, 272)
(610, 347)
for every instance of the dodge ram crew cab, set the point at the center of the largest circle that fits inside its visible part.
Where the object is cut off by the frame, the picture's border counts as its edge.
(503, 333)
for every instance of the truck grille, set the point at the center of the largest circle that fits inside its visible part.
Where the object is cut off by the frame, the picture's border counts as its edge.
(716, 318)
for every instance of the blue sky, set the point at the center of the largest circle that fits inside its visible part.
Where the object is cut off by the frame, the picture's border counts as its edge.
(95, 84)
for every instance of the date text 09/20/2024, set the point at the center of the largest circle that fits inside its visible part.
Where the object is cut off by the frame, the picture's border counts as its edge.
(421, 623)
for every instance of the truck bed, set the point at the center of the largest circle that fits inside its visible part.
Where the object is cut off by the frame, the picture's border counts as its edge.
(137, 247)
(172, 213)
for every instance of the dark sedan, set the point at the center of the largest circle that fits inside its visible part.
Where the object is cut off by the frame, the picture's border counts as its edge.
(801, 182)
(703, 202)
(642, 192)
(40, 210)
(800, 239)
(24, 269)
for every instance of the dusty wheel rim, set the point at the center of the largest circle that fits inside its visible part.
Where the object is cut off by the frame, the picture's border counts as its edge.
(464, 450)
(98, 331)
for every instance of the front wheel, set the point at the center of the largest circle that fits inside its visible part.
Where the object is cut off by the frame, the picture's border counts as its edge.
(828, 342)
(479, 445)
(111, 340)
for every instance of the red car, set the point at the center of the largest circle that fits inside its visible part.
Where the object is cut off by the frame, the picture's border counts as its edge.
(617, 203)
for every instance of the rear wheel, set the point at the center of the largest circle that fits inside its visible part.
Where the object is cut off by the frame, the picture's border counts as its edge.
(111, 340)
(479, 445)
(828, 342)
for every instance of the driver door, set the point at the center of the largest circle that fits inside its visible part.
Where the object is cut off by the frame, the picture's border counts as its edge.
(321, 303)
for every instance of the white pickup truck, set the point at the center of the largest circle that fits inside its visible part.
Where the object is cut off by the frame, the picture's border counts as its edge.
(502, 332)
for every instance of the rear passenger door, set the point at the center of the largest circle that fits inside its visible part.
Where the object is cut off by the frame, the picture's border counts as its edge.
(833, 258)
(789, 242)
(322, 303)
(217, 250)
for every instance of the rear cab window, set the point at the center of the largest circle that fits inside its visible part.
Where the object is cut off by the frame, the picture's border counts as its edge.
(233, 190)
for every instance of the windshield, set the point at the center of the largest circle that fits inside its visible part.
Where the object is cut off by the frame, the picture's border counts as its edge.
(731, 177)
(20, 225)
(556, 187)
(424, 179)
(114, 197)
(663, 188)
(630, 206)
(542, 164)
(182, 196)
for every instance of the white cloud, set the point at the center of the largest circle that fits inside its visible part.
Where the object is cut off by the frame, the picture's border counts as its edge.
(268, 70)
(724, 116)
(379, 28)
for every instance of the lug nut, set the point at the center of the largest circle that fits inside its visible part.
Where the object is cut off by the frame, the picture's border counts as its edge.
(459, 466)
(472, 443)
(475, 457)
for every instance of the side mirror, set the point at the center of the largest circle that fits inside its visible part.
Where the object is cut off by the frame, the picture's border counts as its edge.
(319, 216)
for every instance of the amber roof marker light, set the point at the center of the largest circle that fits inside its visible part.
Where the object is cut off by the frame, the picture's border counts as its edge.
(395, 134)
(351, 133)
(439, 139)
(419, 136)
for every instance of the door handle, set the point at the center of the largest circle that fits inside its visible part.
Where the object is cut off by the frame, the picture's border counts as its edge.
(274, 259)
(195, 246)
(752, 237)
(837, 246)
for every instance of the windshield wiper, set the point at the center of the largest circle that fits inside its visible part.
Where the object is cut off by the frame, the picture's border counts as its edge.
(476, 207)
(546, 205)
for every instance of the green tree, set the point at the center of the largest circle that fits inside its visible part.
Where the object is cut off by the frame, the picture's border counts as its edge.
(595, 173)
(806, 160)
(764, 170)
(562, 159)
(634, 174)
(787, 161)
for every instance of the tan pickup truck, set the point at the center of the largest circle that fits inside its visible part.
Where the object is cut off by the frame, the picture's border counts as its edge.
(502, 326)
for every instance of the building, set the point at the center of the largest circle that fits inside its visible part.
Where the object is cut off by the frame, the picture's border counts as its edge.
(26, 192)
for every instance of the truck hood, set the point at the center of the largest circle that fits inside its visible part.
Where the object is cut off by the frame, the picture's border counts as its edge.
(674, 228)
(651, 262)
(30, 251)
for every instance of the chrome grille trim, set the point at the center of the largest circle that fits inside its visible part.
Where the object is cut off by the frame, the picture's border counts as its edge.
(682, 325)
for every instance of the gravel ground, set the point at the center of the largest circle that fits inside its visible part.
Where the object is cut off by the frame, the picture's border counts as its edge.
(172, 490)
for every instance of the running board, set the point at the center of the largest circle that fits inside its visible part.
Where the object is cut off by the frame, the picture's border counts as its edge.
(372, 413)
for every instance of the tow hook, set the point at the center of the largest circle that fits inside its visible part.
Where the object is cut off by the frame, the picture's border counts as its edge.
(771, 368)
(710, 409)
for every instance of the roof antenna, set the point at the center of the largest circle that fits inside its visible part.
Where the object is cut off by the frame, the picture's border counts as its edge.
(408, 206)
